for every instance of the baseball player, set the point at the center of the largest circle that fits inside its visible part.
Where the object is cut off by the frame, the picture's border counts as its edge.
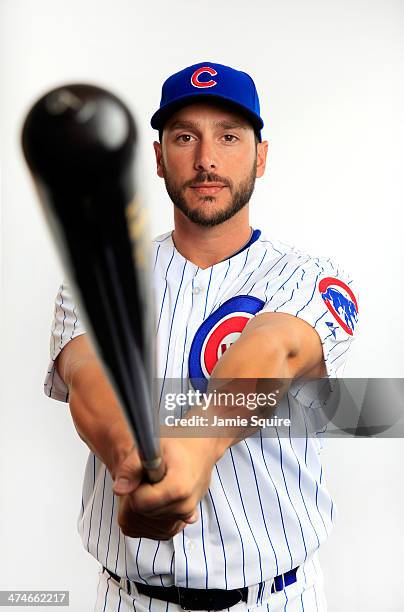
(237, 521)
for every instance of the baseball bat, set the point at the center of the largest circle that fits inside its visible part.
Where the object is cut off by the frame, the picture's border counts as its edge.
(79, 142)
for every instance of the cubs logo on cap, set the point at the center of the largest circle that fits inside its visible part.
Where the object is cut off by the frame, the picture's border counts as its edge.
(340, 301)
(217, 333)
(212, 81)
(195, 80)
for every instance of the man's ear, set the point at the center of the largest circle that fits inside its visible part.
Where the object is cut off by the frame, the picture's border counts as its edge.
(159, 158)
(262, 151)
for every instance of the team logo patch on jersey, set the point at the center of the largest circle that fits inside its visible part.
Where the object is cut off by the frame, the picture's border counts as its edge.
(217, 333)
(196, 82)
(340, 301)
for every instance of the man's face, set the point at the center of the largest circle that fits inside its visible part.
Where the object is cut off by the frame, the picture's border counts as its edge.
(209, 160)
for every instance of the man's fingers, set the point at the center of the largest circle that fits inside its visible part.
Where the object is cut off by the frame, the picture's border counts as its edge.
(192, 519)
(154, 533)
(156, 499)
(139, 526)
(172, 512)
(123, 485)
(128, 475)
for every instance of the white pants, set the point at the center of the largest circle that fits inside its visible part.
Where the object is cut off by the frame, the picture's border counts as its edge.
(305, 595)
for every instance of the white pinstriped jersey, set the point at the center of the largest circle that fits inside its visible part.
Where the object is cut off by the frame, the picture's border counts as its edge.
(267, 508)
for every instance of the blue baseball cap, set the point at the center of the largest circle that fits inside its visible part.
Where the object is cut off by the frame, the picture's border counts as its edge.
(207, 80)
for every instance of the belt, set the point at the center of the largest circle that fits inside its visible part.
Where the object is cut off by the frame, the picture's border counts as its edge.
(205, 599)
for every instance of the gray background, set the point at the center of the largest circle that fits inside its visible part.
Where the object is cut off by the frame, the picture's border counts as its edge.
(330, 81)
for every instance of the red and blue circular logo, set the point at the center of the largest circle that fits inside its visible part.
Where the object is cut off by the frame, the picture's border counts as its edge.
(217, 333)
(340, 301)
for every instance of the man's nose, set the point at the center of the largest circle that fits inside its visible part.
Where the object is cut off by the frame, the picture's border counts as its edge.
(205, 156)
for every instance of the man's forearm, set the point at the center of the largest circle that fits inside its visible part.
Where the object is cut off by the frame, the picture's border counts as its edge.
(243, 372)
(262, 370)
(97, 415)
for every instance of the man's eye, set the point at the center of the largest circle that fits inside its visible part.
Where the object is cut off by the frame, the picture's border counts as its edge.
(230, 138)
(184, 138)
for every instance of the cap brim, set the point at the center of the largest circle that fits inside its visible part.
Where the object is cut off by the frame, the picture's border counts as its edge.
(165, 112)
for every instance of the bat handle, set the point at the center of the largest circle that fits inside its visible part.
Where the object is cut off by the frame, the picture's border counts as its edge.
(155, 469)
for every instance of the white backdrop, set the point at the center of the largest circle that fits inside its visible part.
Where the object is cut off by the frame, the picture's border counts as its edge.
(329, 75)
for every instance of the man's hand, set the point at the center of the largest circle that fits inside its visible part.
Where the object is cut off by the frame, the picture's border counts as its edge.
(161, 510)
(136, 525)
(128, 477)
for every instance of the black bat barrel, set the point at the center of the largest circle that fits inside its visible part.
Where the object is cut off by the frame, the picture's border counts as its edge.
(80, 145)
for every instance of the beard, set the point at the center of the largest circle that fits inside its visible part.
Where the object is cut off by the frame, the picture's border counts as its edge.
(239, 197)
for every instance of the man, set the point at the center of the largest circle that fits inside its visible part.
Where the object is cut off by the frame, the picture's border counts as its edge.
(237, 519)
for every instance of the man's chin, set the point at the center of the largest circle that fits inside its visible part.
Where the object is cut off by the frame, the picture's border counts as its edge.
(205, 217)
(207, 208)
(199, 200)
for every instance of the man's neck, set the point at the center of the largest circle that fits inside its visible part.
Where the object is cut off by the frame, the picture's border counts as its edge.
(206, 246)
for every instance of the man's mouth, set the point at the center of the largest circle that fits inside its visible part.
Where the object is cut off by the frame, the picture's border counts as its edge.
(208, 188)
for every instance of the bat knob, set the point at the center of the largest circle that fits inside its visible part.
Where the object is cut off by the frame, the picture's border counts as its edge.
(78, 132)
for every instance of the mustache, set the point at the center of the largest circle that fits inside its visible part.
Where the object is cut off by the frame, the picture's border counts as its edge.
(207, 177)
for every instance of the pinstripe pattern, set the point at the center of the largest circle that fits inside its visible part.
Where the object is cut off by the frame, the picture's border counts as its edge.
(267, 509)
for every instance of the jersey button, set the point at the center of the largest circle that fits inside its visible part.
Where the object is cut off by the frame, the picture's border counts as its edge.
(190, 545)
(196, 290)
